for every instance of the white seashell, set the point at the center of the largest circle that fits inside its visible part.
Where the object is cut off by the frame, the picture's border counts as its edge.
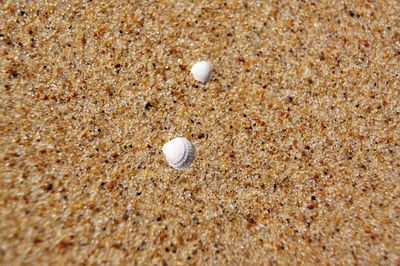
(201, 71)
(179, 152)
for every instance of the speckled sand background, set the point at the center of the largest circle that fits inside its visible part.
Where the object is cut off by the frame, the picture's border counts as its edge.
(297, 132)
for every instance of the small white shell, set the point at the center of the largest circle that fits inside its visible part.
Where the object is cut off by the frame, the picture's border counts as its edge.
(178, 152)
(201, 71)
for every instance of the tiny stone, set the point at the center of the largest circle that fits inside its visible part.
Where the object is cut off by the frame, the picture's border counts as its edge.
(148, 106)
(14, 74)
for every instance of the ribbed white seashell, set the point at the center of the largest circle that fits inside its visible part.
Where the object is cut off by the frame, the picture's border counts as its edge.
(179, 152)
(201, 71)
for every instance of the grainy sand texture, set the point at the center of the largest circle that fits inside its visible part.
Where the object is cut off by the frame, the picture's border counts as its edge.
(297, 132)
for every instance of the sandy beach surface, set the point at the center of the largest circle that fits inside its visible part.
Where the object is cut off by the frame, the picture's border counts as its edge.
(297, 132)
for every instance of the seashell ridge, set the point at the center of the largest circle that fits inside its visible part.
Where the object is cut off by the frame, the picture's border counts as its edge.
(179, 152)
(201, 71)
